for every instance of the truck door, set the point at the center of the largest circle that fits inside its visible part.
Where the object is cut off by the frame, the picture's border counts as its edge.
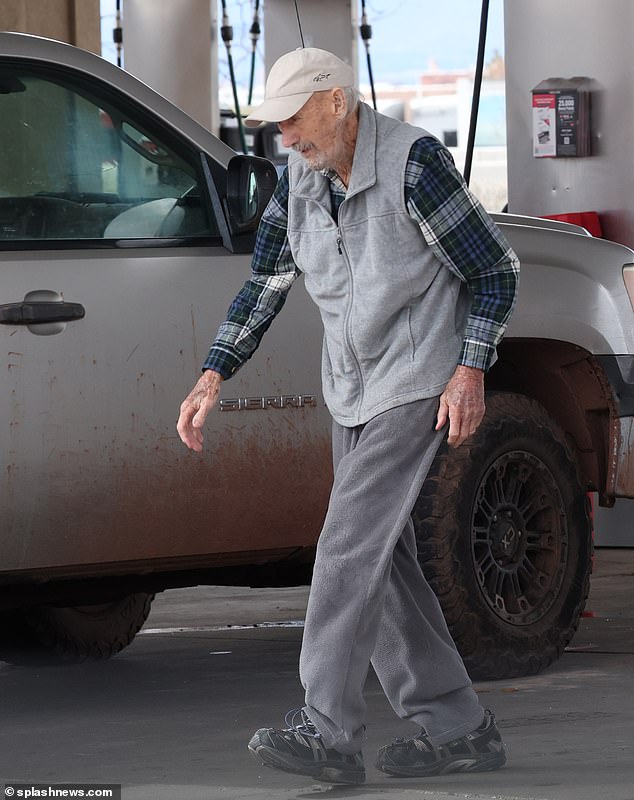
(113, 281)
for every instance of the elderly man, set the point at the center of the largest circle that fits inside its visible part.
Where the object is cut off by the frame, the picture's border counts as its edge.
(415, 285)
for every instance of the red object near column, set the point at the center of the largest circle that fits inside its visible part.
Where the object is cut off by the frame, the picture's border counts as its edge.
(587, 219)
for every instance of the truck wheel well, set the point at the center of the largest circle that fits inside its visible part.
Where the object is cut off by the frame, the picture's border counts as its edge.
(571, 385)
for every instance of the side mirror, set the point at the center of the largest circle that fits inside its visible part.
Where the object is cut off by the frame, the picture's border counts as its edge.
(250, 184)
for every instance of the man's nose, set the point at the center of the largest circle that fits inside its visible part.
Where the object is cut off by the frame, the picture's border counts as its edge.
(289, 137)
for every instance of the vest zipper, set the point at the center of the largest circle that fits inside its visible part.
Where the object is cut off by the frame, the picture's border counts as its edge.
(347, 319)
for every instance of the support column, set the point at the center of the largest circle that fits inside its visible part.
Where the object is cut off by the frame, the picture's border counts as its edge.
(74, 21)
(565, 39)
(329, 24)
(172, 46)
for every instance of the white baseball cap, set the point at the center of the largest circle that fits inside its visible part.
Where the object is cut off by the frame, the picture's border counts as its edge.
(293, 79)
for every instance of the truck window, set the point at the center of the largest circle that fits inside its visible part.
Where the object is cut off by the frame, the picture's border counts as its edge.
(76, 166)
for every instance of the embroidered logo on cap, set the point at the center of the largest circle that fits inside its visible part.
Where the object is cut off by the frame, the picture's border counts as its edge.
(322, 76)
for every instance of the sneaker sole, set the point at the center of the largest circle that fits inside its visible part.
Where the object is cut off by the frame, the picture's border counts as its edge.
(447, 766)
(319, 772)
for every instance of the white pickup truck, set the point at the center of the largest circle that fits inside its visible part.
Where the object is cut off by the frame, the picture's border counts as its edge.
(125, 231)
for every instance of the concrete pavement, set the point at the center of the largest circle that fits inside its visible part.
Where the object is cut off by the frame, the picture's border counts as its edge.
(169, 718)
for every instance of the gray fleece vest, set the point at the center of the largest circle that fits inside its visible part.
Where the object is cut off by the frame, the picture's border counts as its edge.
(394, 317)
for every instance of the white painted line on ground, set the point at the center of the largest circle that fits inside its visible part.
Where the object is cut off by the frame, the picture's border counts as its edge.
(296, 623)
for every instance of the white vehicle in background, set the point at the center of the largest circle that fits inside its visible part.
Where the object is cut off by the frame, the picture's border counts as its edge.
(125, 232)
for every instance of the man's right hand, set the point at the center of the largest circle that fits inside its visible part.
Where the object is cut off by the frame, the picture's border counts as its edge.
(196, 406)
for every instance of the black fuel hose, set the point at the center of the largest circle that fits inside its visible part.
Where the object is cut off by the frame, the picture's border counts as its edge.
(254, 32)
(366, 34)
(226, 31)
(477, 86)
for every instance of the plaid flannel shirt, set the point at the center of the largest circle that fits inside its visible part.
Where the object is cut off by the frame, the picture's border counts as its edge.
(453, 224)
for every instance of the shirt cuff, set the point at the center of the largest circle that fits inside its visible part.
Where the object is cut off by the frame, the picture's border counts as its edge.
(222, 362)
(480, 355)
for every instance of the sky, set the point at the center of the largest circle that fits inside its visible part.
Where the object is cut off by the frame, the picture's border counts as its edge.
(407, 35)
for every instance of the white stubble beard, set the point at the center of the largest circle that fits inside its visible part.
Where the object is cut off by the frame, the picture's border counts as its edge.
(322, 160)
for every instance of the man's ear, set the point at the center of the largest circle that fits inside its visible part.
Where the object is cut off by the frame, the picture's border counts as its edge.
(339, 102)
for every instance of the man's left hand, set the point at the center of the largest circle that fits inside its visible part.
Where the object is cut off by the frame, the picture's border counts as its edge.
(462, 403)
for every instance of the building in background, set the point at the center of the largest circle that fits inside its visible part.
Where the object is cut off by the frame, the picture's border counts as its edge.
(440, 102)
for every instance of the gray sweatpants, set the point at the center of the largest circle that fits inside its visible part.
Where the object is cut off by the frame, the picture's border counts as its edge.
(369, 600)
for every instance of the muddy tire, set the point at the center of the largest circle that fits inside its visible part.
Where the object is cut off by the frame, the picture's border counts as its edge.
(92, 632)
(505, 539)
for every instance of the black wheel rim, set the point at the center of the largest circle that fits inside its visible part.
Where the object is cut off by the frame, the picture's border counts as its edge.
(519, 538)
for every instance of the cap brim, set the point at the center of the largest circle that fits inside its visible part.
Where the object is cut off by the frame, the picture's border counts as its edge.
(277, 109)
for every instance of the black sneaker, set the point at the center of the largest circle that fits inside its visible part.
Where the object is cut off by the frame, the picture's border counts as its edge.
(479, 751)
(299, 749)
